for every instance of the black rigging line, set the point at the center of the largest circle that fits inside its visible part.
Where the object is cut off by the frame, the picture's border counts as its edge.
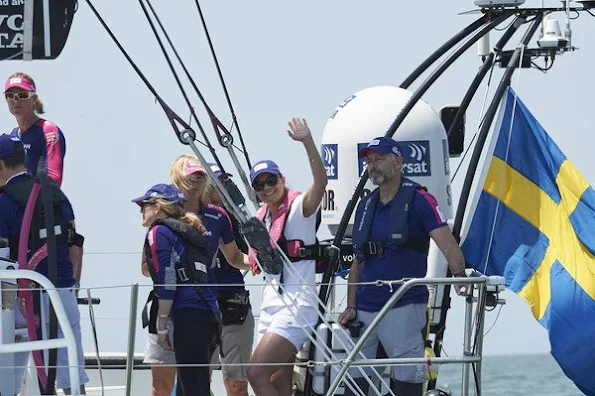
(173, 118)
(232, 197)
(177, 78)
(223, 135)
(231, 109)
(216, 123)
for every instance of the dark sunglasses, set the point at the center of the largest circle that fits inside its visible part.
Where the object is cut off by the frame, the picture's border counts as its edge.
(269, 181)
(20, 95)
(144, 204)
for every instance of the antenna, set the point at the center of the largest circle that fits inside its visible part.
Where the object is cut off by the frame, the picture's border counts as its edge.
(545, 18)
(568, 30)
(552, 37)
(483, 47)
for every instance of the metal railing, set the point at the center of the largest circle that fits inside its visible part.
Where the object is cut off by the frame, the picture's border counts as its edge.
(470, 355)
(68, 342)
(472, 347)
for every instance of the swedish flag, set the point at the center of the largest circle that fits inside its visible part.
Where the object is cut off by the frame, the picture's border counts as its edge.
(533, 222)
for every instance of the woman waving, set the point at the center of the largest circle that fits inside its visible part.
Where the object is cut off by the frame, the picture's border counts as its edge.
(288, 307)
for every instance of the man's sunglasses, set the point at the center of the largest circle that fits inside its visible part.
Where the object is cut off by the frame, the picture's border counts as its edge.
(269, 181)
(21, 95)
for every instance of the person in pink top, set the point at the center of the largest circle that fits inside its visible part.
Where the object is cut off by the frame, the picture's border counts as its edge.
(287, 314)
(44, 142)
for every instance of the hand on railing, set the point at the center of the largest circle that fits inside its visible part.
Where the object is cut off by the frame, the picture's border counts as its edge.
(461, 290)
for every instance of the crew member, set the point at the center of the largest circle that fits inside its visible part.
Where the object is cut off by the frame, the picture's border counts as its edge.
(291, 220)
(391, 233)
(17, 185)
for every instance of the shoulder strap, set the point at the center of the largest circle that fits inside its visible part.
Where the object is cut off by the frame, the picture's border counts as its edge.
(149, 257)
(399, 232)
(280, 219)
(188, 234)
(19, 190)
(364, 215)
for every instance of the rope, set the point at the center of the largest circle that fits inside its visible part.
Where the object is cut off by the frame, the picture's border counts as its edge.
(480, 122)
(498, 203)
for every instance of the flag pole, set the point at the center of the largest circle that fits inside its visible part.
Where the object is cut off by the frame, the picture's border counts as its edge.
(469, 95)
(515, 61)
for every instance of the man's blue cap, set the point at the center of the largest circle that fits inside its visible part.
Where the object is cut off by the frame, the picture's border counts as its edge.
(10, 147)
(381, 145)
(167, 192)
(217, 171)
(266, 166)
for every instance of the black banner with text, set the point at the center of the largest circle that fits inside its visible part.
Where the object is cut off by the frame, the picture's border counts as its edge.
(34, 29)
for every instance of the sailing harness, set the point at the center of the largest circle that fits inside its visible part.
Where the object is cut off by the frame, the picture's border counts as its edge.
(295, 249)
(188, 272)
(19, 190)
(34, 237)
(398, 235)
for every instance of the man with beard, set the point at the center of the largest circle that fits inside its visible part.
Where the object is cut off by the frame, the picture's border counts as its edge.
(404, 218)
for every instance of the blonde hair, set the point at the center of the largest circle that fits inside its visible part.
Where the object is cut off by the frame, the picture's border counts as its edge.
(206, 195)
(38, 103)
(178, 179)
(176, 211)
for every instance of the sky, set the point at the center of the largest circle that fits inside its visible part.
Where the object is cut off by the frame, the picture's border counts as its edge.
(280, 60)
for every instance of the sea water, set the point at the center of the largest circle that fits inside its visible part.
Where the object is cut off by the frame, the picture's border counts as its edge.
(529, 375)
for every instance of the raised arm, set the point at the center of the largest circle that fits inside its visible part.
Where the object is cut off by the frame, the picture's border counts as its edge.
(299, 131)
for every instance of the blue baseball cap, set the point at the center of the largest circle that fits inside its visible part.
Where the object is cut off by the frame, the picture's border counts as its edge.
(10, 147)
(166, 192)
(266, 166)
(381, 145)
(217, 171)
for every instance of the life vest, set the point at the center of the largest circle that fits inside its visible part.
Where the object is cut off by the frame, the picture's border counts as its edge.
(295, 249)
(19, 189)
(398, 235)
(188, 271)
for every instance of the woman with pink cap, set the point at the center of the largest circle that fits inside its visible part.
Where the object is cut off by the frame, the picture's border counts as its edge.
(188, 174)
(43, 140)
(190, 177)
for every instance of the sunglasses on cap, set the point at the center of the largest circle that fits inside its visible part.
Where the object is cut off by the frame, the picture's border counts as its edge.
(269, 181)
(20, 95)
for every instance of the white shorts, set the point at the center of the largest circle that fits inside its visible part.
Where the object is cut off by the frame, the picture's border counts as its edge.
(154, 354)
(295, 324)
